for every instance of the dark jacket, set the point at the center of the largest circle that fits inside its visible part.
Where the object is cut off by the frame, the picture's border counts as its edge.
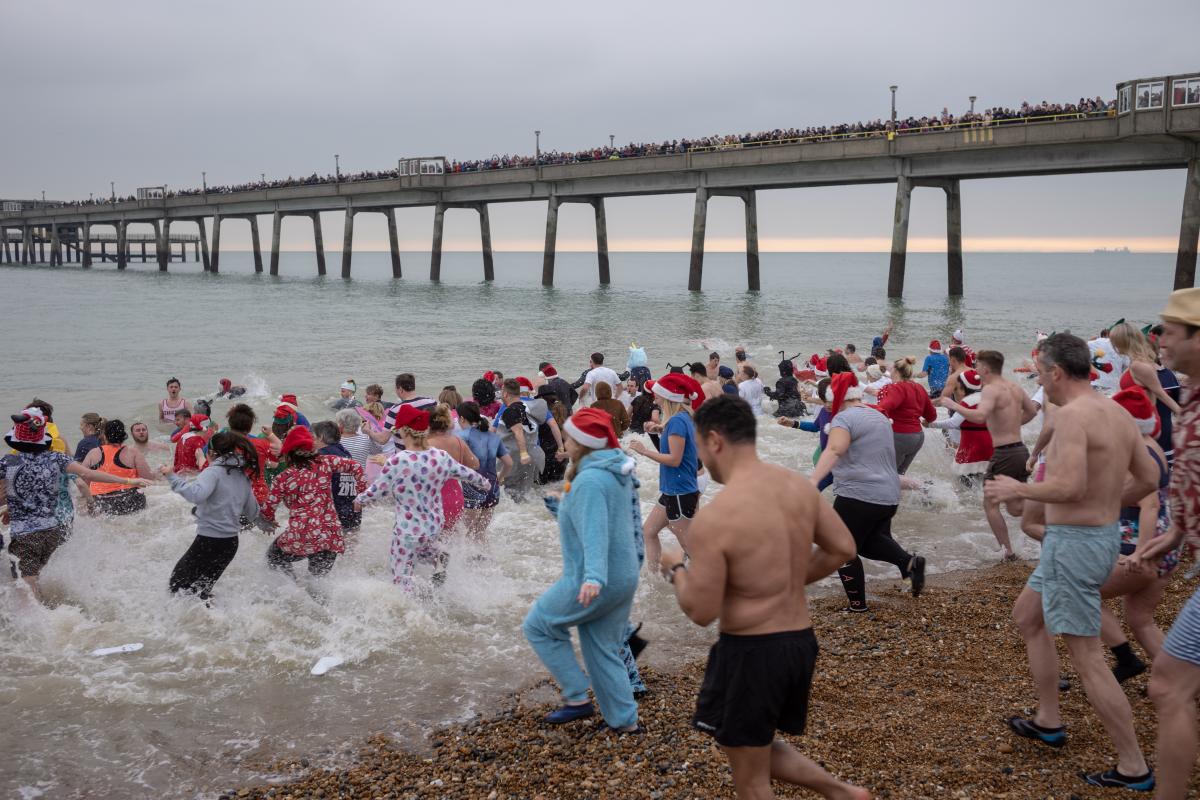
(342, 484)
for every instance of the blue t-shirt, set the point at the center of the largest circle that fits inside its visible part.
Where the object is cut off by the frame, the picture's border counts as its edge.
(487, 447)
(86, 445)
(681, 479)
(937, 367)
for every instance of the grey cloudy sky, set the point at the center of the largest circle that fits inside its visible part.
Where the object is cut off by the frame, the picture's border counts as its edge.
(145, 92)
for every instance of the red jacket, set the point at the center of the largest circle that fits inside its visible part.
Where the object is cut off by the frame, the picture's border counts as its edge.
(906, 403)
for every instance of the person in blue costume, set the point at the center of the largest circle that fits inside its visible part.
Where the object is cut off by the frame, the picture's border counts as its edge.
(598, 530)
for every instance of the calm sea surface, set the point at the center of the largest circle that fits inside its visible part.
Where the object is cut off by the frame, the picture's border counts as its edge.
(217, 692)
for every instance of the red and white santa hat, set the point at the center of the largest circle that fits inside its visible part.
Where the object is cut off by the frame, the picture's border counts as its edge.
(957, 336)
(970, 379)
(844, 386)
(935, 346)
(411, 417)
(29, 427)
(526, 384)
(548, 371)
(1137, 403)
(288, 400)
(298, 438)
(592, 428)
(678, 389)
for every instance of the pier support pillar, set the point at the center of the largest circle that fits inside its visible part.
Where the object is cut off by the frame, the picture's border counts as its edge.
(86, 244)
(55, 249)
(601, 241)
(276, 224)
(1189, 229)
(257, 244)
(196, 252)
(752, 278)
(123, 245)
(551, 241)
(393, 241)
(319, 242)
(347, 242)
(485, 239)
(216, 245)
(203, 243)
(26, 244)
(7, 256)
(42, 248)
(899, 237)
(103, 251)
(954, 264)
(435, 255)
(143, 243)
(164, 253)
(696, 270)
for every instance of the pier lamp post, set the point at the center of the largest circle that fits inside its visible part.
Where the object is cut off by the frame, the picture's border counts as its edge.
(337, 166)
(43, 196)
(204, 182)
(112, 189)
(264, 176)
(893, 90)
(537, 145)
(610, 141)
(972, 99)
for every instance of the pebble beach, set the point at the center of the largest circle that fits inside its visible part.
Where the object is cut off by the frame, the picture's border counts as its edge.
(910, 701)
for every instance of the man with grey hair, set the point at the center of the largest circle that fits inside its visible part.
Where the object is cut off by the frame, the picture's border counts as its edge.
(356, 443)
(1095, 464)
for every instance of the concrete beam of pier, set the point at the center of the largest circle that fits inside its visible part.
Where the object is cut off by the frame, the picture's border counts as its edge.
(551, 240)
(435, 254)
(899, 237)
(347, 242)
(752, 272)
(122, 244)
(216, 244)
(318, 242)
(393, 242)
(699, 222)
(1189, 229)
(954, 260)
(200, 225)
(86, 243)
(602, 241)
(485, 241)
(276, 225)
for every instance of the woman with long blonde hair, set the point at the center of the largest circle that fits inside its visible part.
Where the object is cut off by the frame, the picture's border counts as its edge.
(1145, 371)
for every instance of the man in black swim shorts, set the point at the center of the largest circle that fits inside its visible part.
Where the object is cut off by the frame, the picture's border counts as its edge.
(752, 552)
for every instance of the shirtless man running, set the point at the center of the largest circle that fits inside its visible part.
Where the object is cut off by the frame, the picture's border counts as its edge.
(752, 553)
(1095, 445)
(710, 387)
(1004, 407)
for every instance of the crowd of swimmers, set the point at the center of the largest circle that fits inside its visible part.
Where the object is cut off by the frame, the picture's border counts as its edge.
(1113, 496)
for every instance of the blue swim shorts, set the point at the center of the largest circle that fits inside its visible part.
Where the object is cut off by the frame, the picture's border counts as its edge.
(1076, 561)
(1183, 640)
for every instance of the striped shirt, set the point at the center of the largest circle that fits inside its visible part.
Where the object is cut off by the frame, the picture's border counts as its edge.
(358, 446)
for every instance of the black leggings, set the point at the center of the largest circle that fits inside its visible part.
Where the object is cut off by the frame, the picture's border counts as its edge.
(319, 564)
(203, 564)
(871, 526)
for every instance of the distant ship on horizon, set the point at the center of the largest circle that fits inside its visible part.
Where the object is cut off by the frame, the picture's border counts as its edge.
(1124, 251)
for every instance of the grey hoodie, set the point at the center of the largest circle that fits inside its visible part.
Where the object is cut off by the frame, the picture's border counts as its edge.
(222, 496)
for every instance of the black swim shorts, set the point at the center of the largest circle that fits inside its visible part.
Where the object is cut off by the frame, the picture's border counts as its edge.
(679, 505)
(756, 685)
(29, 552)
(1010, 460)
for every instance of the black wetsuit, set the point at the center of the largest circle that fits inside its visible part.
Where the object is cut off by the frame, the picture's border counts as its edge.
(787, 394)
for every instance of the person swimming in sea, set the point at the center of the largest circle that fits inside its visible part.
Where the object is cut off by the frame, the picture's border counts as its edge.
(229, 391)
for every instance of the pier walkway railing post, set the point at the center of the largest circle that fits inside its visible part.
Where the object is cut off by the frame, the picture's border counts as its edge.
(1189, 229)
(602, 241)
(954, 259)
(551, 240)
(393, 241)
(899, 237)
(435, 253)
(696, 269)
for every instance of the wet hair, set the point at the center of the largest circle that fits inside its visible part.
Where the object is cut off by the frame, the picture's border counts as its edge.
(406, 382)
(240, 418)
(440, 420)
(375, 389)
(851, 348)
(114, 431)
(483, 392)
(44, 407)
(512, 387)
(714, 356)
(348, 421)
(450, 397)
(728, 415)
(994, 360)
(740, 354)
(597, 358)
(229, 443)
(327, 432)
(823, 389)
(1066, 351)
(470, 412)
(836, 363)
(904, 367)
(603, 391)
(93, 421)
(958, 354)
(173, 380)
(697, 368)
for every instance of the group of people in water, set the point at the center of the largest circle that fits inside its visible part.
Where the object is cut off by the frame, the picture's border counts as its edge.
(1111, 499)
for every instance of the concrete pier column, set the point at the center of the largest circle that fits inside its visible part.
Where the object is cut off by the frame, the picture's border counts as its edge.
(143, 243)
(435, 255)
(255, 242)
(954, 264)
(1189, 229)
(196, 252)
(26, 243)
(7, 255)
(86, 244)
(203, 243)
(215, 258)
(319, 241)
(601, 241)
(899, 237)
(551, 241)
(123, 245)
(276, 225)
(393, 241)
(347, 242)
(103, 251)
(164, 253)
(42, 248)
(752, 278)
(55, 249)
(700, 220)
(485, 238)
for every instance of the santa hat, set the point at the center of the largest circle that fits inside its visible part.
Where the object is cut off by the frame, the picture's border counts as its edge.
(195, 423)
(29, 427)
(970, 379)
(288, 400)
(285, 411)
(411, 417)
(957, 336)
(592, 428)
(844, 386)
(1137, 403)
(350, 386)
(298, 438)
(226, 384)
(935, 346)
(526, 384)
(678, 389)
(489, 376)
(548, 371)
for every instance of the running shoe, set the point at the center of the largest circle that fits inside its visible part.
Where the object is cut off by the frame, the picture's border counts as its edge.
(1111, 779)
(568, 713)
(1051, 737)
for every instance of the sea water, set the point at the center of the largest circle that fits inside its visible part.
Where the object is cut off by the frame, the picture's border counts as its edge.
(215, 693)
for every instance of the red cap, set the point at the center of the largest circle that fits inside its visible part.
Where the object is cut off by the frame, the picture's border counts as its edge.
(592, 428)
(298, 438)
(408, 416)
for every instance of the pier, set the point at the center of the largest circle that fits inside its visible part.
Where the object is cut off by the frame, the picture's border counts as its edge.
(1153, 127)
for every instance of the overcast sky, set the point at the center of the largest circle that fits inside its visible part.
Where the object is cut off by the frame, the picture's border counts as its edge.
(150, 92)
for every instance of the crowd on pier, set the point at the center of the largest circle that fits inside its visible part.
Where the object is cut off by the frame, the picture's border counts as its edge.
(931, 123)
